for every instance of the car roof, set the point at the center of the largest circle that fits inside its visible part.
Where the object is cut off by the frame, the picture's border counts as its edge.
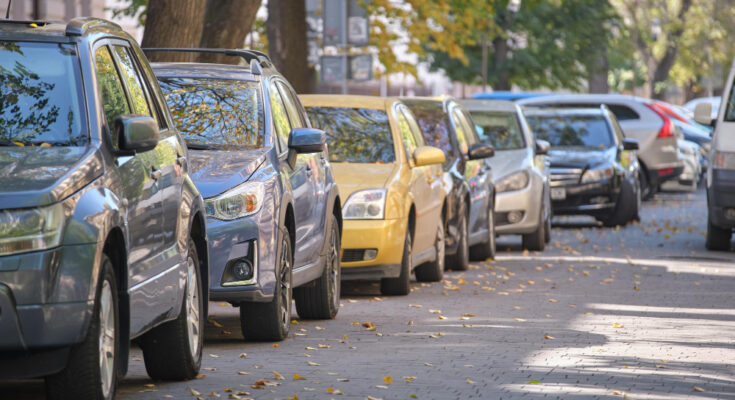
(489, 105)
(562, 111)
(587, 98)
(508, 95)
(344, 100)
(56, 31)
(203, 70)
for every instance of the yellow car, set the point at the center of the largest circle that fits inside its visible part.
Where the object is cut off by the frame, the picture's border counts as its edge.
(393, 215)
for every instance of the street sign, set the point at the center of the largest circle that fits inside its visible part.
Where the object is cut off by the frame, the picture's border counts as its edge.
(332, 69)
(357, 26)
(360, 68)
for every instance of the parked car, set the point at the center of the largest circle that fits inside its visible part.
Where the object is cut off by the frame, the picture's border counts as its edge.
(639, 119)
(102, 233)
(714, 103)
(691, 131)
(469, 227)
(720, 177)
(393, 222)
(520, 171)
(690, 153)
(594, 169)
(273, 211)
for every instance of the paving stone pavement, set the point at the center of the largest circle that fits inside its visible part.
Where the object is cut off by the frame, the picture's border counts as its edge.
(642, 312)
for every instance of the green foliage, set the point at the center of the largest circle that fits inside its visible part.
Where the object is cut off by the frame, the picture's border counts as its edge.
(131, 8)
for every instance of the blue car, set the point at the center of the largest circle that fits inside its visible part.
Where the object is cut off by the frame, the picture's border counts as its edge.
(273, 211)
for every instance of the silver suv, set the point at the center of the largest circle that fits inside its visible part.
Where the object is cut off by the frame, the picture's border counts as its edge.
(656, 134)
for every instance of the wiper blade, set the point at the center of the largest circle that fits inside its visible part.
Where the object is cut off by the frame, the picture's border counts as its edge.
(200, 146)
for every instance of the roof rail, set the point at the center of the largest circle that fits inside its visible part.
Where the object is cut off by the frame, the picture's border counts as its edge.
(247, 55)
(79, 26)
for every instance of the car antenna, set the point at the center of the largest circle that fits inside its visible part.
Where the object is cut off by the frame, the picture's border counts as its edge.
(7, 12)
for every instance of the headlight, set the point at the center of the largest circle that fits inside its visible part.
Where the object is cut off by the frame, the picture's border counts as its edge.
(30, 229)
(596, 175)
(723, 160)
(516, 181)
(365, 204)
(243, 200)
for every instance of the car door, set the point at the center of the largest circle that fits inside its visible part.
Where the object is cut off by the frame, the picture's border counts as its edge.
(301, 178)
(421, 183)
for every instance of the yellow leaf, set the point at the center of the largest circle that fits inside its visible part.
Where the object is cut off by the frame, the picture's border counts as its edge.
(278, 375)
(470, 381)
(520, 319)
(409, 379)
(312, 363)
(468, 315)
(310, 348)
(194, 392)
(442, 317)
(276, 345)
(553, 300)
(243, 373)
(435, 311)
(698, 389)
(298, 377)
(388, 380)
(325, 346)
(461, 281)
(549, 337)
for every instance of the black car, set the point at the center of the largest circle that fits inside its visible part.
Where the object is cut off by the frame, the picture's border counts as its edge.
(594, 170)
(467, 178)
(102, 232)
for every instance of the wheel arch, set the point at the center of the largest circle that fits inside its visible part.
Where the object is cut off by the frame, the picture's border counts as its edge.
(198, 232)
(115, 249)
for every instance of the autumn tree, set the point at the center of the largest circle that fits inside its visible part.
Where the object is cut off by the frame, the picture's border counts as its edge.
(226, 24)
(173, 23)
(286, 28)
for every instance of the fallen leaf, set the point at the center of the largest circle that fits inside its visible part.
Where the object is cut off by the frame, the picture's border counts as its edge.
(409, 379)
(388, 380)
(243, 373)
(335, 391)
(343, 379)
(381, 386)
(415, 305)
(324, 346)
(216, 324)
(461, 281)
(549, 337)
(534, 382)
(278, 375)
(617, 325)
(276, 345)
(194, 392)
(698, 389)
(470, 381)
(442, 317)
(468, 315)
(312, 363)
(310, 348)
(520, 319)
(435, 311)
(553, 300)
(298, 377)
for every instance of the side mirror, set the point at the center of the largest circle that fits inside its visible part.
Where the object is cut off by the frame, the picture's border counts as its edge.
(481, 150)
(136, 133)
(428, 155)
(307, 140)
(542, 147)
(630, 144)
(703, 114)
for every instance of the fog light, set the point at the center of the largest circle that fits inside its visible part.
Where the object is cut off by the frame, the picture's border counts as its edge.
(242, 270)
(514, 217)
(370, 254)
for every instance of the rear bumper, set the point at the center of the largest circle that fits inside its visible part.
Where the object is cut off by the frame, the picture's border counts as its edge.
(658, 176)
(721, 198)
(385, 236)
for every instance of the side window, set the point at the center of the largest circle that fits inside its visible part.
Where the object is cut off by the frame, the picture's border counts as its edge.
(138, 98)
(292, 106)
(623, 113)
(469, 126)
(413, 125)
(111, 90)
(616, 128)
(462, 130)
(280, 116)
(407, 134)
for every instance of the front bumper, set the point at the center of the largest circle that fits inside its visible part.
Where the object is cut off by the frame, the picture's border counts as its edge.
(385, 236)
(595, 198)
(721, 198)
(254, 238)
(527, 201)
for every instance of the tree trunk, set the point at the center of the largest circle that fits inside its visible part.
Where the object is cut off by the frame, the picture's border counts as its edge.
(661, 72)
(598, 70)
(286, 29)
(226, 24)
(173, 23)
(500, 63)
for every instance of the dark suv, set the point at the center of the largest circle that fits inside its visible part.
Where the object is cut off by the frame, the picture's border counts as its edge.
(102, 232)
(273, 211)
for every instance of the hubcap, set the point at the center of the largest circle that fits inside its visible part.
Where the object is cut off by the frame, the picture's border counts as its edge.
(285, 284)
(192, 308)
(107, 338)
(333, 265)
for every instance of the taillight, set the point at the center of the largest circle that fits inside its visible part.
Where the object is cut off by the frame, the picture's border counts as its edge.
(666, 130)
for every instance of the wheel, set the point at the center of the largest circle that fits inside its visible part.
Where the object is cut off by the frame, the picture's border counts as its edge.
(647, 191)
(434, 271)
(547, 224)
(270, 321)
(717, 238)
(624, 209)
(460, 260)
(91, 371)
(635, 212)
(320, 300)
(536, 240)
(173, 350)
(483, 251)
(400, 285)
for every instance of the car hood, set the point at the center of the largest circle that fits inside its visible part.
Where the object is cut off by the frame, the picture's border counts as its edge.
(353, 177)
(580, 157)
(506, 162)
(216, 171)
(39, 176)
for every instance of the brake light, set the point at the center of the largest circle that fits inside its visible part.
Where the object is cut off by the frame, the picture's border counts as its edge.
(665, 171)
(666, 130)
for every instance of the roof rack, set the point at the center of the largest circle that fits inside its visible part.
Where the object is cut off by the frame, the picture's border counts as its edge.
(257, 59)
(79, 26)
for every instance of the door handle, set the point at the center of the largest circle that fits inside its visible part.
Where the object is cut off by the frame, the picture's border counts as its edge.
(156, 174)
(309, 171)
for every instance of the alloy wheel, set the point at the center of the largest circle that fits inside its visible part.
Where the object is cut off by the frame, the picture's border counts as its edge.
(334, 272)
(192, 308)
(285, 282)
(106, 338)
(440, 246)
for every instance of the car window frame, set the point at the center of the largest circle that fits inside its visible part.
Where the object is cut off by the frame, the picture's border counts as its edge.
(101, 109)
(272, 85)
(398, 114)
(455, 124)
(119, 43)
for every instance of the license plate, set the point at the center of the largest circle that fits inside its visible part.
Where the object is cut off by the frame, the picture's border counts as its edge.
(558, 193)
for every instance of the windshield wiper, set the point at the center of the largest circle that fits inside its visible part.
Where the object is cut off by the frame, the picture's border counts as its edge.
(200, 146)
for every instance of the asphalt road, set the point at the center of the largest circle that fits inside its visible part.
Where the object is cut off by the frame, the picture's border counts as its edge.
(641, 312)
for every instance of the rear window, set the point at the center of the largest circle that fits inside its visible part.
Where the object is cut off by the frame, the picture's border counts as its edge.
(356, 135)
(572, 130)
(40, 95)
(500, 130)
(216, 113)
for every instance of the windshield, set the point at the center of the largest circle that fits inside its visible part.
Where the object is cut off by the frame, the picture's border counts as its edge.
(40, 95)
(500, 130)
(572, 130)
(356, 135)
(216, 113)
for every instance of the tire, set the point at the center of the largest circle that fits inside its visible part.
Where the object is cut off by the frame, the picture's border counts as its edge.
(433, 271)
(271, 321)
(460, 260)
(624, 208)
(547, 227)
(320, 299)
(647, 191)
(717, 238)
(635, 213)
(536, 240)
(85, 375)
(173, 351)
(483, 251)
(400, 286)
